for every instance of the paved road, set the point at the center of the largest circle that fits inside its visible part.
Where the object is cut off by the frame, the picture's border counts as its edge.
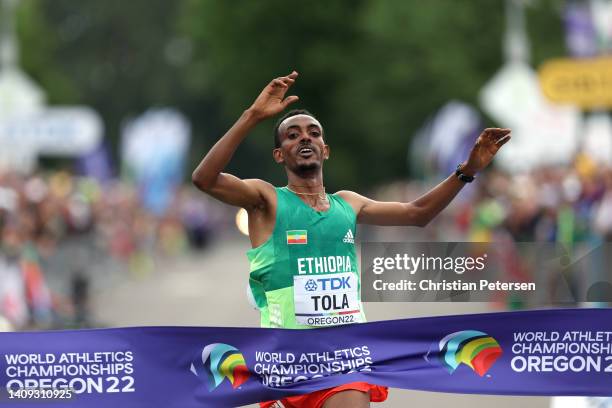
(209, 289)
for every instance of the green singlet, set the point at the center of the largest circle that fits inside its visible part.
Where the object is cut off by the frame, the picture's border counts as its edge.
(306, 274)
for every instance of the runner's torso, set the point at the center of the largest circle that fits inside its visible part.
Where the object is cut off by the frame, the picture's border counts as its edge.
(306, 274)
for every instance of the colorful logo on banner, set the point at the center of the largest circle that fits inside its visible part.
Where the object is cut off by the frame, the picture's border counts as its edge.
(220, 361)
(474, 348)
(545, 352)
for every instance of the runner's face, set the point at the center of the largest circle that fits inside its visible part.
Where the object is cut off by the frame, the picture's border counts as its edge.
(302, 146)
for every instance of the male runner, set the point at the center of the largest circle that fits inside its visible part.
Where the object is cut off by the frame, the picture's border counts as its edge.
(300, 234)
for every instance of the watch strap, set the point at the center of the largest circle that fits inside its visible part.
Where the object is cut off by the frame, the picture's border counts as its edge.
(463, 177)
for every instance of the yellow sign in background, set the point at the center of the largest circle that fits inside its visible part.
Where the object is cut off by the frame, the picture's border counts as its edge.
(586, 83)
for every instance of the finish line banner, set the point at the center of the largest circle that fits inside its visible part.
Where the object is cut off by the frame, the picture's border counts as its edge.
(547, 352)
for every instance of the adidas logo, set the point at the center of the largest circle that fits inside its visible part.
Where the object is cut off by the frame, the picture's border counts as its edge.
(349, 238)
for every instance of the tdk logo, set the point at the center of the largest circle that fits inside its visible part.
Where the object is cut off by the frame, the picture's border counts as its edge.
(334, 283)
(311, 285)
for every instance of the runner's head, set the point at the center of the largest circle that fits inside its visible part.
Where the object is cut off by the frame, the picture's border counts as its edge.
(298, 142)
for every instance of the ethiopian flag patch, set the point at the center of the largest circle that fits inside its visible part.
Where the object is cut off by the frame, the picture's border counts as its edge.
(297, 237)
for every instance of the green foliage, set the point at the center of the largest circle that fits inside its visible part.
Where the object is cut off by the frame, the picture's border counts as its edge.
(372, 71)
(39, 44)
(415, 58)
(109, 54)
(240, 46)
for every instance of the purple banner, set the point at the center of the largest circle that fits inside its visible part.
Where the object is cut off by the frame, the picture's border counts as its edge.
(547, 352)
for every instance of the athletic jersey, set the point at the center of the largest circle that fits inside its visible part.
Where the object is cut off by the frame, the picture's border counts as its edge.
(306, 274)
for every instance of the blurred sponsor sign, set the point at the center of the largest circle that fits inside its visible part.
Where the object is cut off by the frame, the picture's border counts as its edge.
(586, 82)
(62, 131)
(154, 147)
(542, 133)
(511, 95)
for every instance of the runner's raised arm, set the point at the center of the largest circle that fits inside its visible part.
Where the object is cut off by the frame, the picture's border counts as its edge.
(208, 176)
(303, 238)
(425, 208)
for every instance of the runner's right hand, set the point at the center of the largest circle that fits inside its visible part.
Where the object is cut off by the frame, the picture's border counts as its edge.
(271, 100)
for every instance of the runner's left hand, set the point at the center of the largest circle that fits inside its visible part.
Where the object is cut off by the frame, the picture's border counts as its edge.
(486, 146)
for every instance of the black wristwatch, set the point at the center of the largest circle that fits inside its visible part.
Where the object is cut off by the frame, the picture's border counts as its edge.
(463, 177)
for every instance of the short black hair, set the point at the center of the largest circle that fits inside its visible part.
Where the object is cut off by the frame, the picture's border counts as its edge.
(289, 114)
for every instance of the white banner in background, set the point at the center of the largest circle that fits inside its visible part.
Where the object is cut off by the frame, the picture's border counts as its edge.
(154, 148)
(62, 131)
(542, 133)
(153, 137)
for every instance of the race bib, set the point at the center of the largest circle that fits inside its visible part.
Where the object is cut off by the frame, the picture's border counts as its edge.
(326, 300)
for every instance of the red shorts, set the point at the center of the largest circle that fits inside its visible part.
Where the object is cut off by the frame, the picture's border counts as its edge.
(317, 399)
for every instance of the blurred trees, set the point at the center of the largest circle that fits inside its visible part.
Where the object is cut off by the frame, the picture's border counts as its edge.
(372, 71)
(116, 56)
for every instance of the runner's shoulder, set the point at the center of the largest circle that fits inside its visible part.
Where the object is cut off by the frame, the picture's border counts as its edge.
(350, 196)
(354, 199)
(265, 190)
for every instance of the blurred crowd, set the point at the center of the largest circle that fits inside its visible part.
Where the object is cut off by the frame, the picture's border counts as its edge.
(564, 204)
(59, 233)
(564, 210)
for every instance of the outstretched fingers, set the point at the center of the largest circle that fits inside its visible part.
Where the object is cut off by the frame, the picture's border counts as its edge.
(284, 81)
(289, 100)
(496, 135)
(279, 83)
(503, 140)
(288, 80)
(501, 136)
